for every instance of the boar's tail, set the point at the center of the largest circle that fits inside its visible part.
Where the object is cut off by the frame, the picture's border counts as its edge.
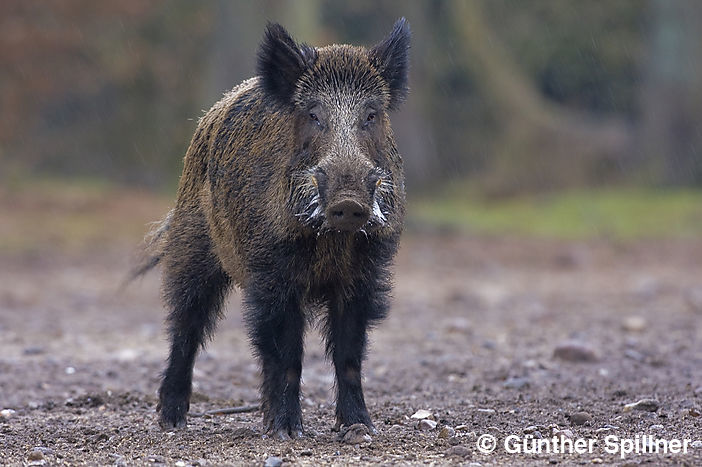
(153, 249)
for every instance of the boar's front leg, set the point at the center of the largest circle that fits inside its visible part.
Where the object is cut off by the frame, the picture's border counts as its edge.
(276, 327)
(347, 325)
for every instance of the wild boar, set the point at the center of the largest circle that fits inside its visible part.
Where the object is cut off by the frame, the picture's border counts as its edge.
(293, 191)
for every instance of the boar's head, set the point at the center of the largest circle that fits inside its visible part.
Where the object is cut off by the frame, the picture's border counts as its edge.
(345, 174)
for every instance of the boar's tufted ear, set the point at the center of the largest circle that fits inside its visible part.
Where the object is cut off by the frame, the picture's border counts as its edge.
(281, 61)
(391, 58)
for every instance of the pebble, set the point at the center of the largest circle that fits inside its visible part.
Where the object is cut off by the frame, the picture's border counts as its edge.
(447, 432)
(421, 414)
(694, 412)
(634, 324)
(606, 429)
(7, 413)
(357, 434)
(656, 427)
(458, 451)
(696, 444)
(274, 461)
(463, 428)
(487, 411)
(646, 405)
(34, 350)
(580, 418)
(426, 424)
(563, 433)
(180, 464)
(395, 429)
(489, 345)
(516, 383)
(35, 455)
(572, 351)
(634, 355)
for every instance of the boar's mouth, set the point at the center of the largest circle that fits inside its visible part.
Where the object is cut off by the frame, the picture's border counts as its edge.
(345, 212)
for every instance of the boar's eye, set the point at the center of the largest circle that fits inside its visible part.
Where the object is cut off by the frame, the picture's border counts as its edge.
(315, 119)
(370, 118)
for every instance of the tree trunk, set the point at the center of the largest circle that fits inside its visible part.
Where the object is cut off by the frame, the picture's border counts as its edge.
(541, 145)
(670, 135)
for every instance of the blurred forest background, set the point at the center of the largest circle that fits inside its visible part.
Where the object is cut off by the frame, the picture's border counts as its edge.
(509, 98)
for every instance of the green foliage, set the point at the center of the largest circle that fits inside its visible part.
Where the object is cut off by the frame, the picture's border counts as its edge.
(617, 213)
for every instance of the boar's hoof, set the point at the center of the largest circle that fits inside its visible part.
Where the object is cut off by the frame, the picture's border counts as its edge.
(172, 416)
(283, 434)
(170, 423)
(284, 425)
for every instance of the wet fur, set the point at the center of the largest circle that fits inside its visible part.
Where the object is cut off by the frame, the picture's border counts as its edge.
(237, 221)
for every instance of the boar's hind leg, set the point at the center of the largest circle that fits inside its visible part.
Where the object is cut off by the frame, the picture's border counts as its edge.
(194, 289)
(346, 334)
(276, 327)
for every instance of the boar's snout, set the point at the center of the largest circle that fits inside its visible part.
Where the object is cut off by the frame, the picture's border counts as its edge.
(347, 215)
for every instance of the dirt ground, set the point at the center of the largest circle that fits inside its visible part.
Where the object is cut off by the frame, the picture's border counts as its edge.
(502, 337)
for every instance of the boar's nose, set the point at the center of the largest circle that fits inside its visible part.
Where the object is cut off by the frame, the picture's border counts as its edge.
(347, 215)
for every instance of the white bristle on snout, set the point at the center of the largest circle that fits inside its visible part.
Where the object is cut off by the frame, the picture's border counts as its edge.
(377, 212)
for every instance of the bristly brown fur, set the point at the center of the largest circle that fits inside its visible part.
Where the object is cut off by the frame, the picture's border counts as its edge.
(292, 190)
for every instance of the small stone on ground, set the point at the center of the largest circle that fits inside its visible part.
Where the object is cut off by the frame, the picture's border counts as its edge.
(273, 461)
(572, 351)
(421, 414)
(458, 451)
(646, 405)
(580, 418)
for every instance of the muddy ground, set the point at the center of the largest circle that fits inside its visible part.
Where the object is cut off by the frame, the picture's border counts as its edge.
(471, 338)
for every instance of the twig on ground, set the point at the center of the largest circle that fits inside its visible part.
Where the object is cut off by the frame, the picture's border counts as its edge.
(228, 410)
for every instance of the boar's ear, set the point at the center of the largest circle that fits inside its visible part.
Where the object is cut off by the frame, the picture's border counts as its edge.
(281, 61)
(391, 58)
